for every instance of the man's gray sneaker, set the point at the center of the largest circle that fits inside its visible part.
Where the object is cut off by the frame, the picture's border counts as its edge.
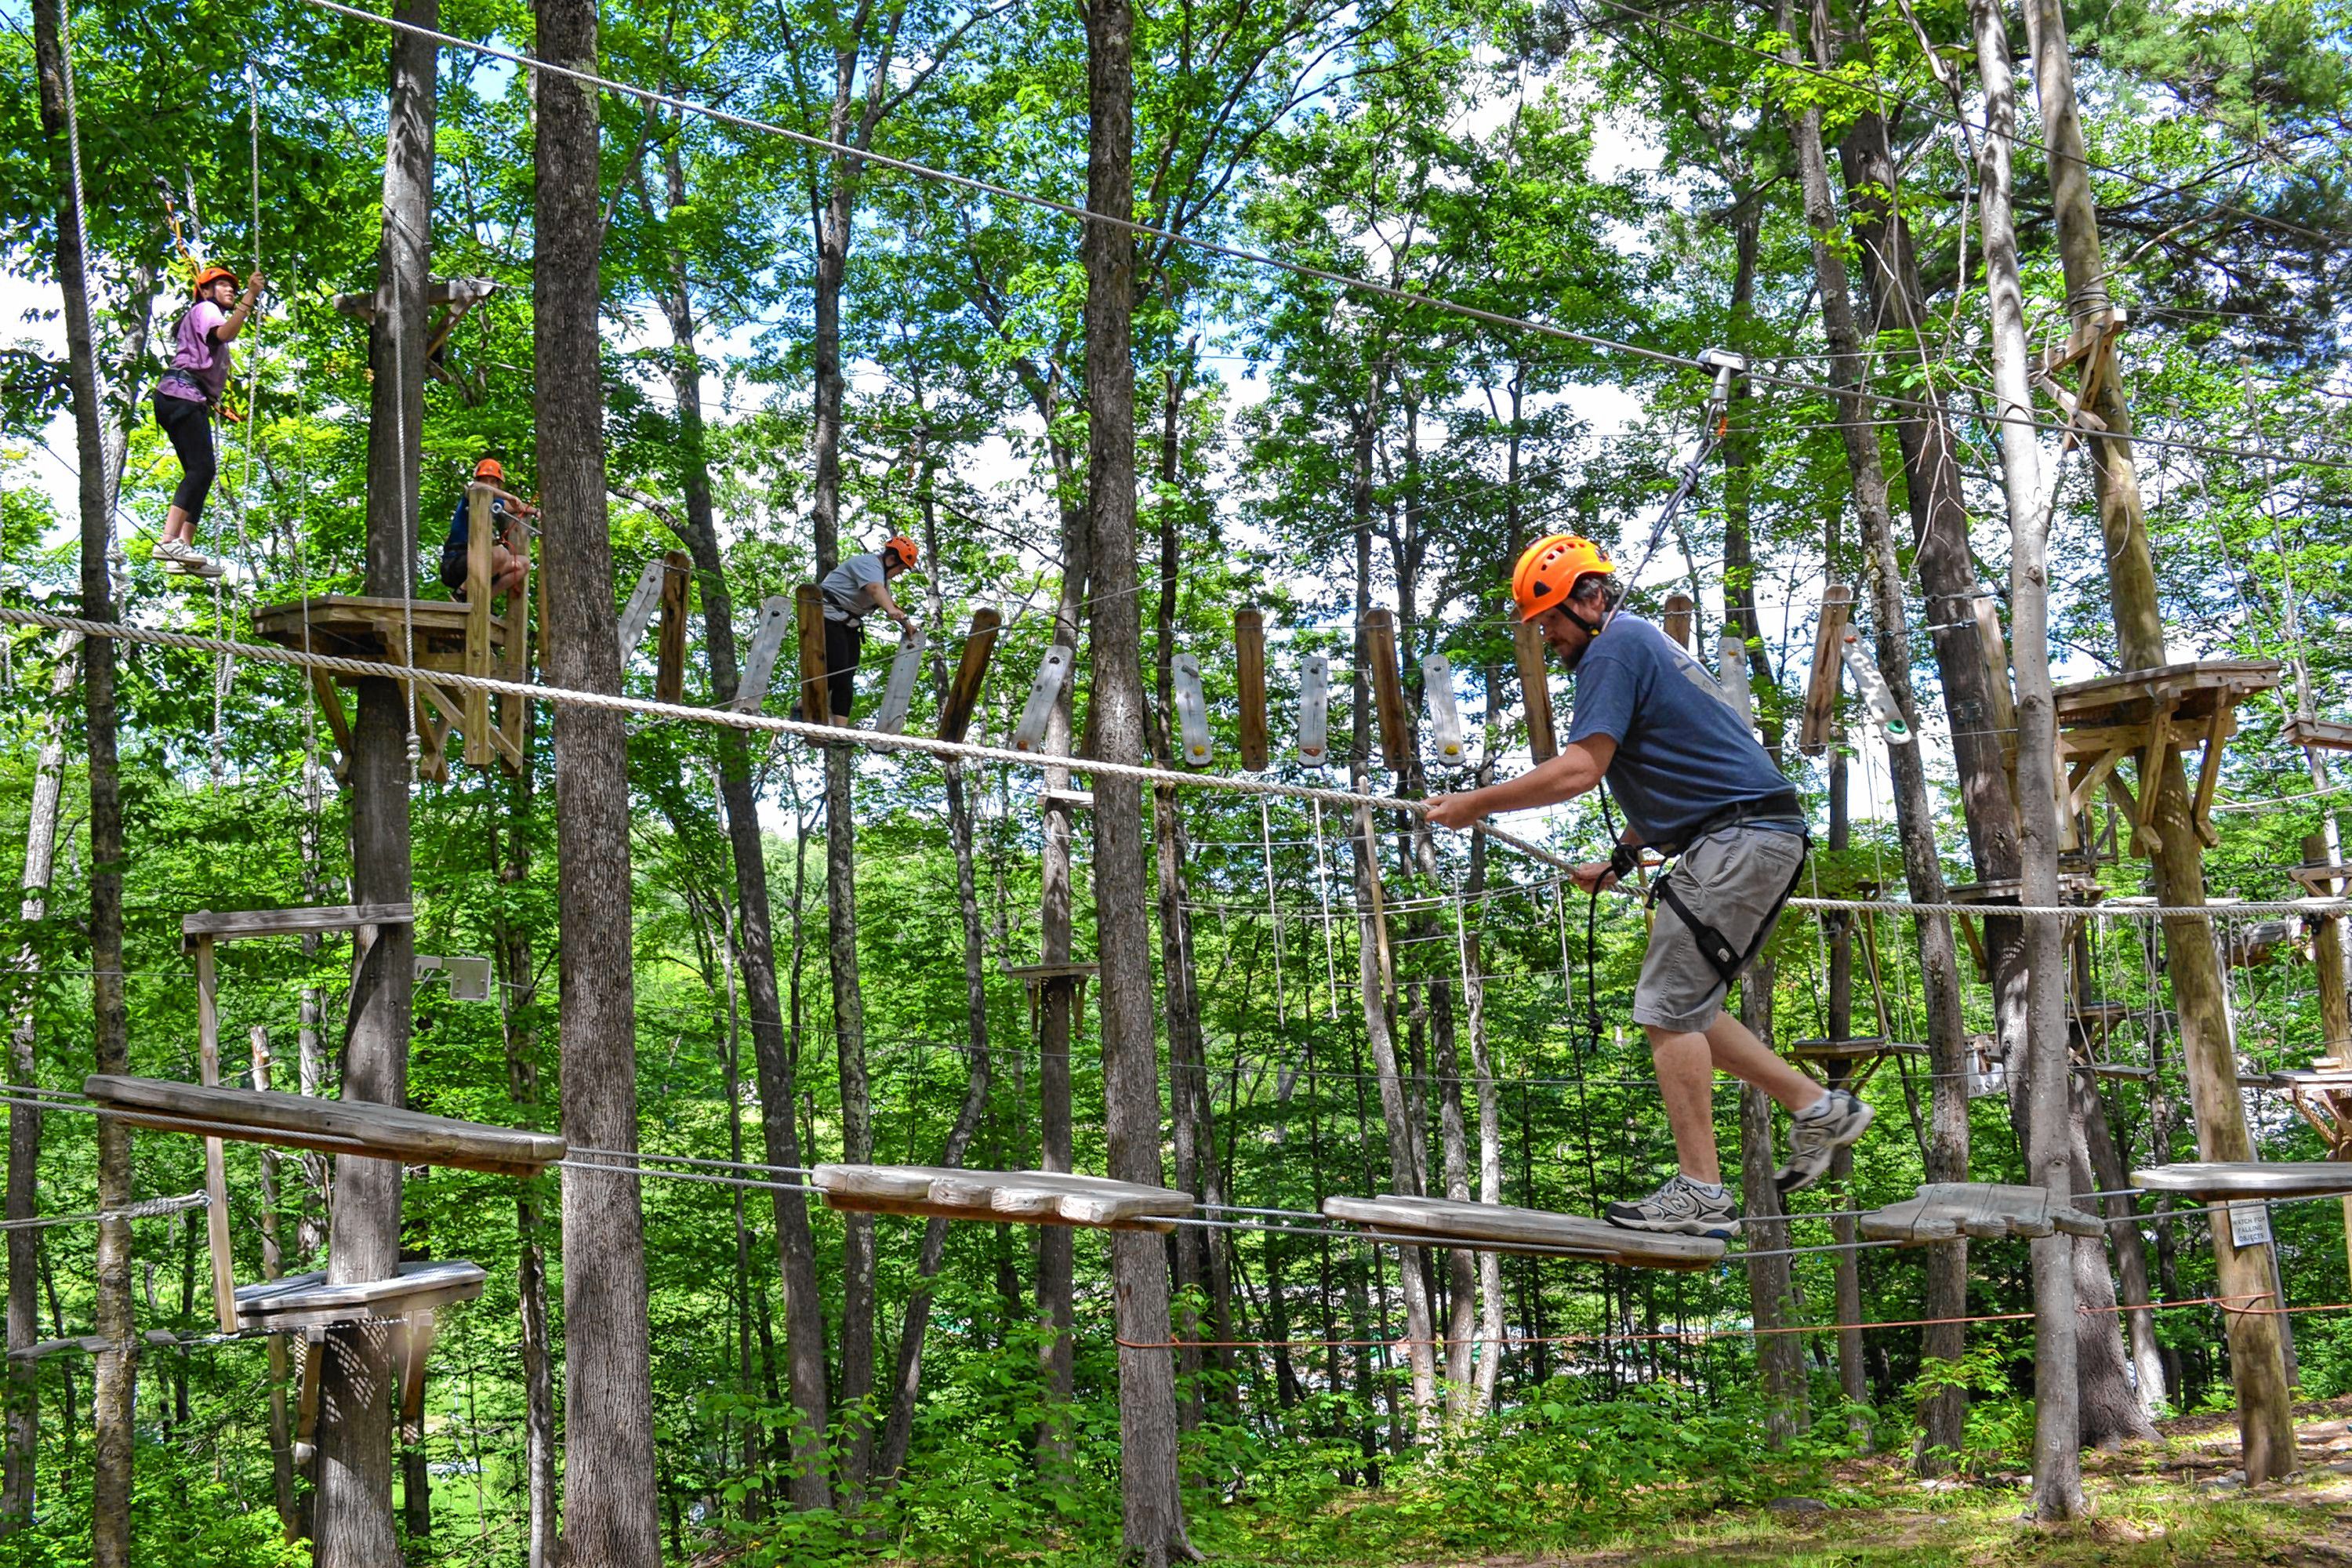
(1813, 1138)
(1682, 1207)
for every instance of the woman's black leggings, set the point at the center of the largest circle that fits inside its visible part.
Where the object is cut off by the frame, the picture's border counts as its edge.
(189, 424)
(845, 644)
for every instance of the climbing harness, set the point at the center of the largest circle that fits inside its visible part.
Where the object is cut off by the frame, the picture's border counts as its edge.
(1726, 958)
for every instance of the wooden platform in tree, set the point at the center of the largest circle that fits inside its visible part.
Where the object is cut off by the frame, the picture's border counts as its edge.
(2248, 1179)
(2146, 714)
(449, 637)
(1494, 1227)
(1074, 969)
(2327, 734)
(1023, 1197)
(307, 1302)
(1947, 1210)
(331, 1126)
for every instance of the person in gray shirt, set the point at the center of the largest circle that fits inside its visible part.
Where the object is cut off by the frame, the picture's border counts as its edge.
(1695, 784)
(852, 590)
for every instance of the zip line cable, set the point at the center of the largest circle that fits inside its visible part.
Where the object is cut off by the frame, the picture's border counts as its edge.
(1252, 258)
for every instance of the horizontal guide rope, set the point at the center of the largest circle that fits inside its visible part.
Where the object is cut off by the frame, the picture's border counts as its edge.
(1262, 258)
(147, 1209)
(270, 653)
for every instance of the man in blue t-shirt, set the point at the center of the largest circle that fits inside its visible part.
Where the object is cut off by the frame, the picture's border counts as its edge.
(1694, 784)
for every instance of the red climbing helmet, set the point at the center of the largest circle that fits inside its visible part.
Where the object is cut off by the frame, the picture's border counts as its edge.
(489, 469)
(1549, 569)
(209, 276)
(904, 549)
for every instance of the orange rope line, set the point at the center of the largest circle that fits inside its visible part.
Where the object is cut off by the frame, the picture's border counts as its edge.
(2227, 1304)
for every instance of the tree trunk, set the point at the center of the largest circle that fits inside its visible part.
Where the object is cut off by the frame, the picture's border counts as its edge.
(612, 1512)
(2257, 1361)
(24, 1433)
(1153, 1504)
(111, 1406)
(353, 1509)
(517, 973)
(1771, 1282)
(808, 1486)
(1922, 873)
(1490, 1116)
(907, 1385)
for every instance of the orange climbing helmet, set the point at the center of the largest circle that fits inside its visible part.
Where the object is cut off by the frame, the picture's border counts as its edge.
(209, 276)
(1549, 569)
(904, 549)
(489, 469)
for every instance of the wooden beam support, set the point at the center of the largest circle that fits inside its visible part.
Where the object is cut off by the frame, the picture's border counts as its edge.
(1678, 617)
(1249, 684)
(971, 670)
(302, 920)
(216, 1233)
(669, 669)
(816, 693)
(474, 722)
(1820, 724)
(1388, 689)
(2218, 731)
(1527, 652)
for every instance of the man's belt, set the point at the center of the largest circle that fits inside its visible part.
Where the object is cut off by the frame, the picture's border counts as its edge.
(1784, 807)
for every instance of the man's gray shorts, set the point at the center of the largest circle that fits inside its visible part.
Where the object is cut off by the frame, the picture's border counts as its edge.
(1736, 880)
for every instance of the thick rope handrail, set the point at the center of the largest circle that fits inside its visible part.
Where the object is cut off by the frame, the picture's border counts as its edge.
(149, 1208)
(268, 653)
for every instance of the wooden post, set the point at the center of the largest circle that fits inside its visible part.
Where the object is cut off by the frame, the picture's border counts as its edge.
(215, 1172)
(963, 695)
(1678, 622)
(2327, 964)
(1388, 689)
(516, 669)
(817, 694)
(1821, 691)
(1534, 688)
(669, 669)
(2257, 1359)
(479, 543)
(1249, 680)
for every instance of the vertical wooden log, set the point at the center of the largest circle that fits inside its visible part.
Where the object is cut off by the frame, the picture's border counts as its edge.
(1678, 617)
(216, 1174)
(516, 667)
(273, 1267)
(669, 669)
(963, 692)
(1534, 688)
(1821, 691)
(478, 544)
(2327, 963)
(1249, 681)
(817, 700)
(1388, 689)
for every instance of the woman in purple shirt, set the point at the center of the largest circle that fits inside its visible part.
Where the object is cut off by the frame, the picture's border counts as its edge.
(189, 394)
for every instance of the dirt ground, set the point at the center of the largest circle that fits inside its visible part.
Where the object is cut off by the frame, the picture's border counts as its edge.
(2181, 1500)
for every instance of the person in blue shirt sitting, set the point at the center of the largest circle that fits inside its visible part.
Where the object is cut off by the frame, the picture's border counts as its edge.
(510, 553)
(1697, 786)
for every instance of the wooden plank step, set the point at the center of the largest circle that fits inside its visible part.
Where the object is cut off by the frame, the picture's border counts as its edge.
(1947, 1210)
(2337, 1078)
(1026, 1197)
(1853, 1050)
(307, 1302)
(1494, 1227)
(227, 925)
(2248, 1179)
(40, 1349)
(331, 1126)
